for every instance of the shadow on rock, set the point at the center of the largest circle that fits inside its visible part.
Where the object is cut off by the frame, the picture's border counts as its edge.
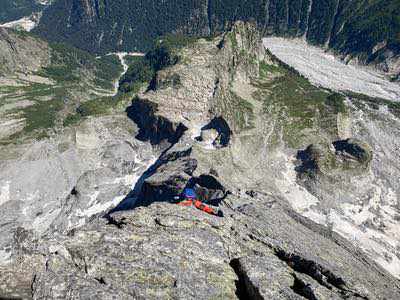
(165, 181)
(222, 129)
(173, 171)
(153, 128)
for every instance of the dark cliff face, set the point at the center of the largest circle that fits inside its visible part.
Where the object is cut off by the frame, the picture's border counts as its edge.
(347, 26)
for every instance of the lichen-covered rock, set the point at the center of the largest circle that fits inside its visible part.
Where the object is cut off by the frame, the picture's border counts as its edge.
(265, 277)
(258, 251)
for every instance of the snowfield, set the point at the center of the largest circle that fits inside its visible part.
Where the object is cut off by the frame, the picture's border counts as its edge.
(325, 70)
(26, 23)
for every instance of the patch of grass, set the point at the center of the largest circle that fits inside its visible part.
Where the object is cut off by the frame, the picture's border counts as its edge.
(232, 38)
(336, 101)
(39, 118)
(42, 115)
(60, 73)
(131, 59)
(72, 119)
(177, 41)
(70, 65)
(300, 107)
(97, 106)
(374, 102)
(266, 69)
(243, 113)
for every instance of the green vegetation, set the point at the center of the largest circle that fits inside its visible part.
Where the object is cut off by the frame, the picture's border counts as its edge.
(141, 71)
(242, 112)
(93, 107)
(232, 38)
(164, 53)
(107, 69)
(147, 21)
(97, 106)
(76, 74)
(336, 101)
(374, 103)
(266, 69)
(67, 64)
(374, 22)
(72, 119)
(321, 21)
(304, 108)
(60, 74)
(42, 115)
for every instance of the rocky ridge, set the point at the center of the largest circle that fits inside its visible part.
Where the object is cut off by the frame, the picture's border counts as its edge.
(218, 121)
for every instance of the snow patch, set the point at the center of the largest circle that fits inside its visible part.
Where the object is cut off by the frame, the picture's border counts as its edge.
(94, 208)
(324, 69)
(379, 246)
(43, 222)
(5, 257)
(25, 23)
(99, 208)
(4, 193)
(299, 198)
(372, 226)
(93, 198)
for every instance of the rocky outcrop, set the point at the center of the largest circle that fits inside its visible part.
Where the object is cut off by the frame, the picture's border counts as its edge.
(57, 184)
(346, 156)
(21, 53)
(169, 178)
(354, 150)
(256, 252)
(152, 127)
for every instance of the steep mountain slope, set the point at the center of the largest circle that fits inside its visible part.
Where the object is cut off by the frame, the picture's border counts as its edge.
(229, 119)
(41, 83)
(367, 31)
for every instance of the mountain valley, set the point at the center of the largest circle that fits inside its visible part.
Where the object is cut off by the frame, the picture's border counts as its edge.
(276, 119)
